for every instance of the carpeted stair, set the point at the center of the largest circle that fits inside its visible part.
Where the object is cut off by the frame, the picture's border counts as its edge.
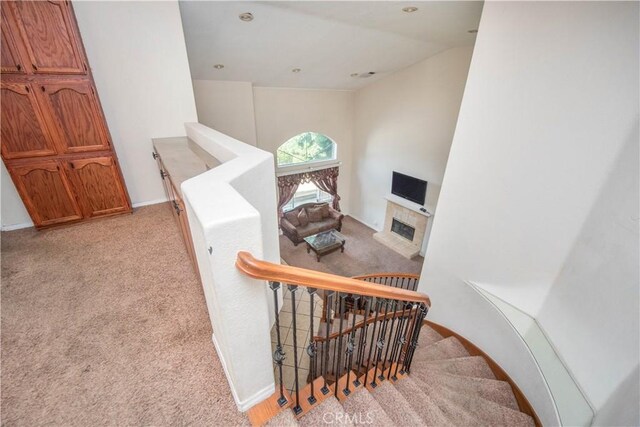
(446, 387)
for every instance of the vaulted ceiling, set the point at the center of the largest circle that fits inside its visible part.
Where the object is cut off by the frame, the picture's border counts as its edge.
(327, 41)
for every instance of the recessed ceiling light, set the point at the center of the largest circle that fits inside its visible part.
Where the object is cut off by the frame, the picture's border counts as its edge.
(472, 31)
(410, 9)
(218, 66)
(296, 70)
(354, 74)
(246, 17)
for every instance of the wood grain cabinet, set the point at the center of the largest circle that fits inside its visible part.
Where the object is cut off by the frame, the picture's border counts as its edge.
(49, 38)
(46, 192)
(98, 185)
(75, 115)
(55, 140)
(23, 128)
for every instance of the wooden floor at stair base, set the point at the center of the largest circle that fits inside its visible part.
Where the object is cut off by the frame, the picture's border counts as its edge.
(268, 408)
(342, 384)
(305, 393)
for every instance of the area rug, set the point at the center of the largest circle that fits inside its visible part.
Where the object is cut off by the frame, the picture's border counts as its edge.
(362, 254)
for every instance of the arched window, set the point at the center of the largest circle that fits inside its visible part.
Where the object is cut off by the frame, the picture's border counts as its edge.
(308, 147)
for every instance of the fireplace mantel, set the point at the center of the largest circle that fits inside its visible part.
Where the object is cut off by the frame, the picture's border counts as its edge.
(408, 214)
(407, 204)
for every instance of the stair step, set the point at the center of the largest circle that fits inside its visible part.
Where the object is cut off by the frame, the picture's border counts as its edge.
(447, 348)
(329, 412)
(363, 408)
(429, 336)
(496, 391)
(423, 405)
(283, 419)
(483, 410)
(470, 366)
(395, 405)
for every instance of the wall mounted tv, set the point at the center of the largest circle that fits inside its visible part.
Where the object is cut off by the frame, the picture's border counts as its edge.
(409, 188)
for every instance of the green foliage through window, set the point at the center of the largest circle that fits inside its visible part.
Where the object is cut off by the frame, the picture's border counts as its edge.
(306, 147)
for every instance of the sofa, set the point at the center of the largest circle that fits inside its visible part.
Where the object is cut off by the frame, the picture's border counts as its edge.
(309, 219)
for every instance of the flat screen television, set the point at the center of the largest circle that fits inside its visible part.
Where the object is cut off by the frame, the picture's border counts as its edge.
(409, 188)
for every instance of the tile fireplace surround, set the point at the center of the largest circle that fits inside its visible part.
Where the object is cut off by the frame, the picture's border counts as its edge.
(408, 217)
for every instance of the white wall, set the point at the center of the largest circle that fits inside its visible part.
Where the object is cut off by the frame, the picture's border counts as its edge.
(405, 123)
(540, 185)
(228, 213)
(139, 61)
(227, 107)
(284, 113)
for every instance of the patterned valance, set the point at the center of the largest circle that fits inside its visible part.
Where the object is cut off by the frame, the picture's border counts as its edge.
(304, 177)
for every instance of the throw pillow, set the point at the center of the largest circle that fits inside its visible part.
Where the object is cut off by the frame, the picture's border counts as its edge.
(292, 217)
(303, 218)
(315, 214)
(325, 210)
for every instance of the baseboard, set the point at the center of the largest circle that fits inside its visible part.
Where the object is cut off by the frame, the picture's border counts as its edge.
(149, 202)
(17, 226)
(257, 397)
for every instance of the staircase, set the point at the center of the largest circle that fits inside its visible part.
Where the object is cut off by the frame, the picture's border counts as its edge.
(372, 359)
(446, 387)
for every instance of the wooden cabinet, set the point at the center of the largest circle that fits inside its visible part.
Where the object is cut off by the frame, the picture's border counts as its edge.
(74, 115)
(55, 140)
(10, 61)
(178, 209)
(98, 184)
(48, 36)
(46, 192)
(23, 127)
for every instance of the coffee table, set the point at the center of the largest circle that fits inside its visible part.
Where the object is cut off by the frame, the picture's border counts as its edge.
(325, 242)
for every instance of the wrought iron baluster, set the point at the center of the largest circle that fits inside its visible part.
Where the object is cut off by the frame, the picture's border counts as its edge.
(380, 342)
(390, 341)
(327, 346)
(293, 288)
(278, 354)
(362, 342)
(338, 367)
(351, 346)
(406, 337)
(311, 348)
(373, 339)
(422, 313)
(397, 342)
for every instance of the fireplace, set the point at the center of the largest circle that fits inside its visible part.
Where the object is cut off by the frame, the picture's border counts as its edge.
(402, 229)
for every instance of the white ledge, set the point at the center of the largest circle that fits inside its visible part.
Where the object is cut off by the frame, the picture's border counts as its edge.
(407, 204)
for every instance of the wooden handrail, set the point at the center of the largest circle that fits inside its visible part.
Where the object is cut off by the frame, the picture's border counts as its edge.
(265, 270)
(376, 275)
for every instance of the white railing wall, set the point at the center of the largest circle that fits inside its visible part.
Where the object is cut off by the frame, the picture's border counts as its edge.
(231, 208)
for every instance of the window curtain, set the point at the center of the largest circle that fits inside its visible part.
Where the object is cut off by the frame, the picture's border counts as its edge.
(325, 179)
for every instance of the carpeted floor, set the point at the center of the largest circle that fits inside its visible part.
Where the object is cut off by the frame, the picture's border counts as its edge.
(105, 323)
(362, 254)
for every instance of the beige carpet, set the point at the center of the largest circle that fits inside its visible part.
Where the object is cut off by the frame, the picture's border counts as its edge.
(105, 323)
(362, 254)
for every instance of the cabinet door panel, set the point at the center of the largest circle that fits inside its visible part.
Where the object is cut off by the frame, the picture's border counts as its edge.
(98, 185)
(46, 192)
(49, 38)
(23, 128)
(74, 112)
(10, 61)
